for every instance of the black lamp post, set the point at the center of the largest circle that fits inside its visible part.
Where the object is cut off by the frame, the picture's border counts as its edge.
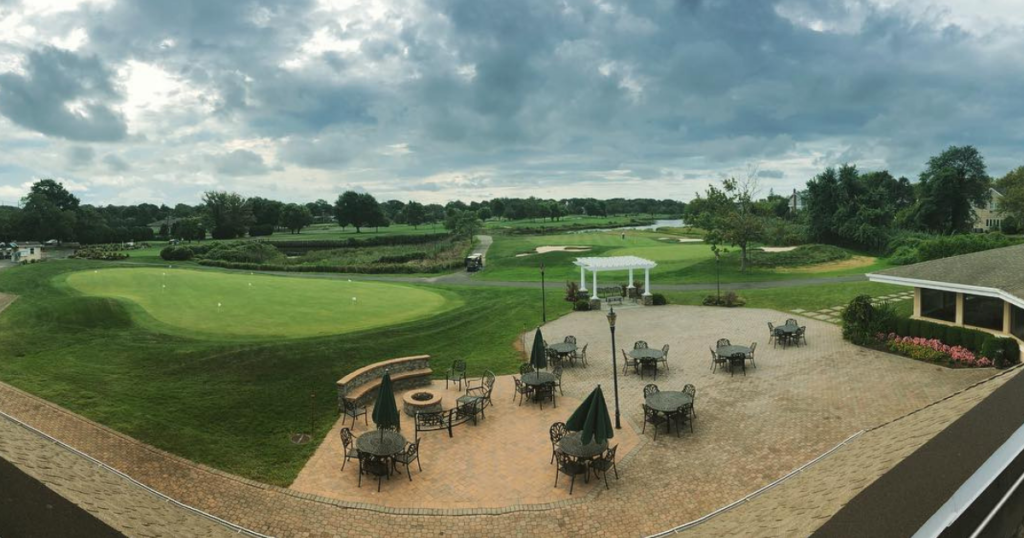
(615, 366)
(718, 276)
(543, 298)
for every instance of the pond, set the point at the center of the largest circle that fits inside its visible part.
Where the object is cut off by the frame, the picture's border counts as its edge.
(660, 223)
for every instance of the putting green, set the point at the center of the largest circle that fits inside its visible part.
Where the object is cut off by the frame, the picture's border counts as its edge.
(231, 304)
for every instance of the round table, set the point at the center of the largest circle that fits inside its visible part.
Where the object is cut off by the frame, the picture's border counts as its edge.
(648, 357)
(572, 444)
(534, 379)
(732, 351)
(389, 444)
(563, 348)
(668, 401)
(788, 328)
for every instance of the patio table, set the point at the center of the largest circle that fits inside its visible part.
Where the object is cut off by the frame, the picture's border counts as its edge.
(788, 330)
(668, 401)
(647, 357)
(572, 444)
(389, 444)
(737, 355)
(563, 348)
(534, 379)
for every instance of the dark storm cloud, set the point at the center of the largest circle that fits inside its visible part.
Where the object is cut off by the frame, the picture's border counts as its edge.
(63, 95)
(239, 163)
(78, 156)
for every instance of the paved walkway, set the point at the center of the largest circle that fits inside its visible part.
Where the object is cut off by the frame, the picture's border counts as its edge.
(833, 314)
(749, 432)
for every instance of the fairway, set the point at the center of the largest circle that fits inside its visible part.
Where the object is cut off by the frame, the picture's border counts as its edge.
(226, 304)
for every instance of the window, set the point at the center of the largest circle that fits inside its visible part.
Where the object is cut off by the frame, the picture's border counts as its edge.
(985, 312)
(1017, 321)
(937, 304)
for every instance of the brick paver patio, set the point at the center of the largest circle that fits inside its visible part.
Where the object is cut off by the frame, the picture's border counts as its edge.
(749, 431)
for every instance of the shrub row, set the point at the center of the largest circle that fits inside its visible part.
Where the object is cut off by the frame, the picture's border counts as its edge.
(379, 241)
(914, 248)
(377, 268)
(980, 342)
(805, 255)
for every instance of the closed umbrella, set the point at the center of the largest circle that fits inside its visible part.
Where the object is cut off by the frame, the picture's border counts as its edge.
(385, 412)
(538, 356)
(591, 419)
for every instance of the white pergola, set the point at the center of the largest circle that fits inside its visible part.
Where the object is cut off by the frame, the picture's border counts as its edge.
(614, 263)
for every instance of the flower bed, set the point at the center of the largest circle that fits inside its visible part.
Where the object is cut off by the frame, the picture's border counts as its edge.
(933, 350)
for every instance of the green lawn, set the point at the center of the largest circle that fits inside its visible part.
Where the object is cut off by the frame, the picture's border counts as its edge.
(215, 304)
(678, 263)
(808, 298)
(228, 403)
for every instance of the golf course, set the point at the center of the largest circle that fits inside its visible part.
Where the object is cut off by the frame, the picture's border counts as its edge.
(216, 304)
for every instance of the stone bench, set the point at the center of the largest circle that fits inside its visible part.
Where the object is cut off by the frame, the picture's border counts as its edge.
(360, 387)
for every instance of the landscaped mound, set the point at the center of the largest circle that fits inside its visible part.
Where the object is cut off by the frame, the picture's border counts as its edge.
(800, 256)
(210, 303)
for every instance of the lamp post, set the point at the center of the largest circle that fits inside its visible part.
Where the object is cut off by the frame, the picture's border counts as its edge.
(615, 366)
(718, 277)
(543, 298)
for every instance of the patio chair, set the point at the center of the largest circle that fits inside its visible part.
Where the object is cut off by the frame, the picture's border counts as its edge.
(628, 361)
(350, 408)
(457, 372)
(526, 369)
(373, 465)
(481, 396)
(554, 358)
(545, 392)
(801, 334)
(556, 432)
(348, 442)
(653, 418)
(781, 337)
(791, 321)
(771, 332)
(569, 466)
(716, 361)
(389, 428)
(750, 356)
(650, 389)
(681, 416)
(640, 344)
(522, 390)
(570, 339)
(407, 456)
(723, 342)
(480, 386)
(557, 372)
(664, 356)
(604, 463)
(467, 410)
(581, 355)
(692, 391)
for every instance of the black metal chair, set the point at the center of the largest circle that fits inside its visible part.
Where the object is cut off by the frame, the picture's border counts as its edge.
(570, 339)
(716, 361)
(664, 356)
(581, 355)
(771, 332)
(571, 467)
(801, 334)
(556, 432)
(782, 337)
(681, 416)
(791, 321)
(348, 442)
(543, 392)
(750, 355)
(480, 393)
(466, 411)
(407, 456)
(351, 409)
(554, 358)
(692, 391)
(650, 389)
(522, 389)
(640, 344)
(605, 463)
(557, 372)
(722, 342)
(653, 418)
(375, 466)
(526, 369)
(457, 372)
(628, 362)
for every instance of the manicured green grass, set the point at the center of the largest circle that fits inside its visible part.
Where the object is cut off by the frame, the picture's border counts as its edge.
(678, 263)
(227, 403)
(808, 298)
(214, 304)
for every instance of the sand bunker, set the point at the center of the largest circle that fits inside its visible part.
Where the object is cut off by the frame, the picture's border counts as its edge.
(690, 240)
(778, 249)
(547, 248)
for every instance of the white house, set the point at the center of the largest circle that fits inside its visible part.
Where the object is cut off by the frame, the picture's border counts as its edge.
(26, 252)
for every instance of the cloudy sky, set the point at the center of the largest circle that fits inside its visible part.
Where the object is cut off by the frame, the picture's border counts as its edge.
(159, 100)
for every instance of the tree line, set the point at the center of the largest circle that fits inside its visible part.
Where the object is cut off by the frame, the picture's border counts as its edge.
(50, 211)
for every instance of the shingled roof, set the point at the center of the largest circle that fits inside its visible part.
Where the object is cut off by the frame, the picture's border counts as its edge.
(998, 273)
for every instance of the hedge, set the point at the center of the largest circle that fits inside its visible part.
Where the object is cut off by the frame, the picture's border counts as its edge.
(376, 268)
(979, 342)
(380, 241)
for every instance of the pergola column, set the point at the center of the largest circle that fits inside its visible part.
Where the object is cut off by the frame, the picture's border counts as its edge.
(647, 281)
(631, 286)
(594, 296)
(583, 279)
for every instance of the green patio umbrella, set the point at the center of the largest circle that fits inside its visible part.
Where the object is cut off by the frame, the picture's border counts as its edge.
(538, 356)
(591, 419)
(385, 412)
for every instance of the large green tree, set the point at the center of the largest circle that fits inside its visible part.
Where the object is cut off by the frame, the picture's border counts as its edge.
(295, 217)
(49, 211)
(1011, 204)
(228, 214)
(462, 223)
(953, 184)
(849, 208)
(728, 215)
(357, 209)
(414, 214)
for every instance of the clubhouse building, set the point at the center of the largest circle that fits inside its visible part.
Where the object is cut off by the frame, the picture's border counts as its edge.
(981, 290)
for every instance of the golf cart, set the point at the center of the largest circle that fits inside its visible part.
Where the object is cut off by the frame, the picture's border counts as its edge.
(474, 263)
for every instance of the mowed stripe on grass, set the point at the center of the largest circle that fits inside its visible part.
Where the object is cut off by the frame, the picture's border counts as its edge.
(245, 305)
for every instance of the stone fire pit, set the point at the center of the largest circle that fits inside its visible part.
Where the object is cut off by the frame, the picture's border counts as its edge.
(421, 400)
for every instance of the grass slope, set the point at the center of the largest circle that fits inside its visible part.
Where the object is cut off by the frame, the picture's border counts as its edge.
(229, 404)
(232, 304)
